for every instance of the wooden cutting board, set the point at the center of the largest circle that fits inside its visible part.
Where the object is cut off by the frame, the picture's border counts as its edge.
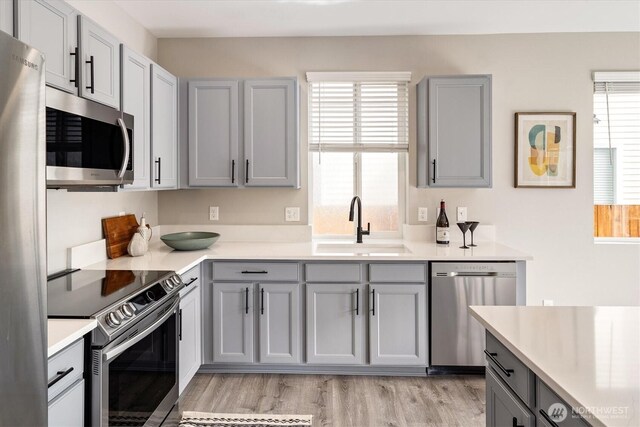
(118, 232)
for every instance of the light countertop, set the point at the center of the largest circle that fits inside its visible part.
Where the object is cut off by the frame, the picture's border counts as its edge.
(161, 257)
(590, 356)
(62, 332)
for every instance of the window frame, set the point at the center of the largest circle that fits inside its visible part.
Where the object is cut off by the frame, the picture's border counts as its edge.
(357, 149)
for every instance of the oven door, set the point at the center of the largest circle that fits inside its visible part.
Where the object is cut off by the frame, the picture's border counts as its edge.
(136, 375)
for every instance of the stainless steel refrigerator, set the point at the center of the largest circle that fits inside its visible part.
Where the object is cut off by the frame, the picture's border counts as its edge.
(23, 304)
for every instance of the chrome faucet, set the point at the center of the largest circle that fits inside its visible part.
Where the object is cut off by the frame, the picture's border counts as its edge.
(359, 231)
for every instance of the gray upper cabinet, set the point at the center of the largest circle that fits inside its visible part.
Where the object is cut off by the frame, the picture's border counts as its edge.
(398, 324)
(280, 323)
(51, 26)
(213, 133)
(271, 133)
(6, 16)
(136, 100)
(232, 322)
(100, 53)
(164, 129)
(335, 324)
(454, 131)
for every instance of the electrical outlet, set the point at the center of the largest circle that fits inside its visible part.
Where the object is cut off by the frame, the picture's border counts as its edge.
(292, 214)
(461, 214)
(213, 213)
(121, 213)
(422, 214)
(547, 302)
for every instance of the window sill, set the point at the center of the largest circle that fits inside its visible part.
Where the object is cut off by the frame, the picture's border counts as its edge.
(617, 240)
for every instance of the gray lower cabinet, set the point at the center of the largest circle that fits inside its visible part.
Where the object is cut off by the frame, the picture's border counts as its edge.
(164, 128)
(280, 323)
(233, 323)
(100, 53)
(66, 386)
(503, 407)
(398, 324)
(213, 133)
(190, 336)
(335, 324)
(6, 16)
(136, 100)
(271, 133)
(51, 26)
(454, 131)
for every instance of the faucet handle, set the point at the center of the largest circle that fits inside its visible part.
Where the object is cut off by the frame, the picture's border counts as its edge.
(368, 230)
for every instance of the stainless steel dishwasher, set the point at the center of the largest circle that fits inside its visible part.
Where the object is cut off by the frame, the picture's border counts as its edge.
(457, 339)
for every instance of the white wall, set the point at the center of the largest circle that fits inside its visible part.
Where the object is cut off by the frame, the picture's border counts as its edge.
(75, 218)
(542, 72)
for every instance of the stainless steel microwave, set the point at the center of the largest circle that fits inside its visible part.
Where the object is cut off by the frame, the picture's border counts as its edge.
(88, 144)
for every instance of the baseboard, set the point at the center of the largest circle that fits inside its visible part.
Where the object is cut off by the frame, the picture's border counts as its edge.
(395, 371)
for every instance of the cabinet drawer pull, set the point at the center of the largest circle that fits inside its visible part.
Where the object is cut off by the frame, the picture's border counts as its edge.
(548, 418)
(492, 356)
(59, 375)
(254, 272)
(246, 301)
(193, 279)
(515, 423)
(92, 86)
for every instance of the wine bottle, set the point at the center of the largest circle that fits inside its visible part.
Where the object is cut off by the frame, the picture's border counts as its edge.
(442, 226)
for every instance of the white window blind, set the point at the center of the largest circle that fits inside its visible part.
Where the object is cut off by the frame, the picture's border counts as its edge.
(367, 114)
(617, 128)
(603, 177)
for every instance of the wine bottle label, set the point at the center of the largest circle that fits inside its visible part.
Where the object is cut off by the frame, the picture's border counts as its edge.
(442, 234)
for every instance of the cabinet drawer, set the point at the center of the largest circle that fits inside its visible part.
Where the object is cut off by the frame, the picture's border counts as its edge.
(65, 368)
(547, 398)
(191, 279)
(255, 271)
(405, 273)
(329, 273)
(515, 374)
(68, 409)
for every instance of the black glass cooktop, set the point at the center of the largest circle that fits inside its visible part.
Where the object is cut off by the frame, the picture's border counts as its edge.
(83, 293)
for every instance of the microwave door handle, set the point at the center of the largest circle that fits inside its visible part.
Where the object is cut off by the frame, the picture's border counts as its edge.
(116, 351)
(127, 149)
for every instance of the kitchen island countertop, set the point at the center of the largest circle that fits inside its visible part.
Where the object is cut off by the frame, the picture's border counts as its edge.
(587, 355)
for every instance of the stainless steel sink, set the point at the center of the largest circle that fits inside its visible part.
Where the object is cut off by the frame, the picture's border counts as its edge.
(362, 249)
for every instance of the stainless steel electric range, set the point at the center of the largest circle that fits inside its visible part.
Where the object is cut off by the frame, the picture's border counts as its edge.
(134, 350)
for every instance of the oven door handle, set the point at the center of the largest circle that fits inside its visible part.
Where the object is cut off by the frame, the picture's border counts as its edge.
(116, 351)
(125, 143)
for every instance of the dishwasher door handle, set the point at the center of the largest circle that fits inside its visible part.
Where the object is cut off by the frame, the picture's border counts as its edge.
(471, 274)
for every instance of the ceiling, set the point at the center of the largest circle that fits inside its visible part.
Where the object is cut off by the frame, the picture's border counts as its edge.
(295, 18)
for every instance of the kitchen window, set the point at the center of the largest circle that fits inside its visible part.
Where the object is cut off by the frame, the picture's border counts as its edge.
(358, 144)
(616, 155)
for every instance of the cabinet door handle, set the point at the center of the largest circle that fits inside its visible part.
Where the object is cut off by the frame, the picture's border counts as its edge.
(357, 302)
(246, 301)
(59, 375)
(180, 325)
(233, 171)
(373, 304)
(75, 67)
(262, 301)
(91, 63)
(515, 423)
(159, 163)
(434, 170)
(246, 173)
(548, 418)
(492, 356)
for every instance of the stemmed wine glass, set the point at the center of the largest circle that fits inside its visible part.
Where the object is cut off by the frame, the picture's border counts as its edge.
(472, 227)
(463, 226)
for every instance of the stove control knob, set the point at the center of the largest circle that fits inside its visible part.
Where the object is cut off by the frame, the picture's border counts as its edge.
(177, 280)
(127, 311)
(169, 284)
(151, 297)
(112, 319)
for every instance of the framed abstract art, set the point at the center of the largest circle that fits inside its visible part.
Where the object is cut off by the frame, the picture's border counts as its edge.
(545, 153)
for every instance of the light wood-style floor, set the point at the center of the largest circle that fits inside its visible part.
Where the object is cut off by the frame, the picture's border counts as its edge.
(358, 401)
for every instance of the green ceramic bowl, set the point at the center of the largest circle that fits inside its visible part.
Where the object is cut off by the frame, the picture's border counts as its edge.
(190, 240)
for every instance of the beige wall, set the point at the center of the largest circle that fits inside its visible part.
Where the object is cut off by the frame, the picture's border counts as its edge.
(543, 72)
(75, 218)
